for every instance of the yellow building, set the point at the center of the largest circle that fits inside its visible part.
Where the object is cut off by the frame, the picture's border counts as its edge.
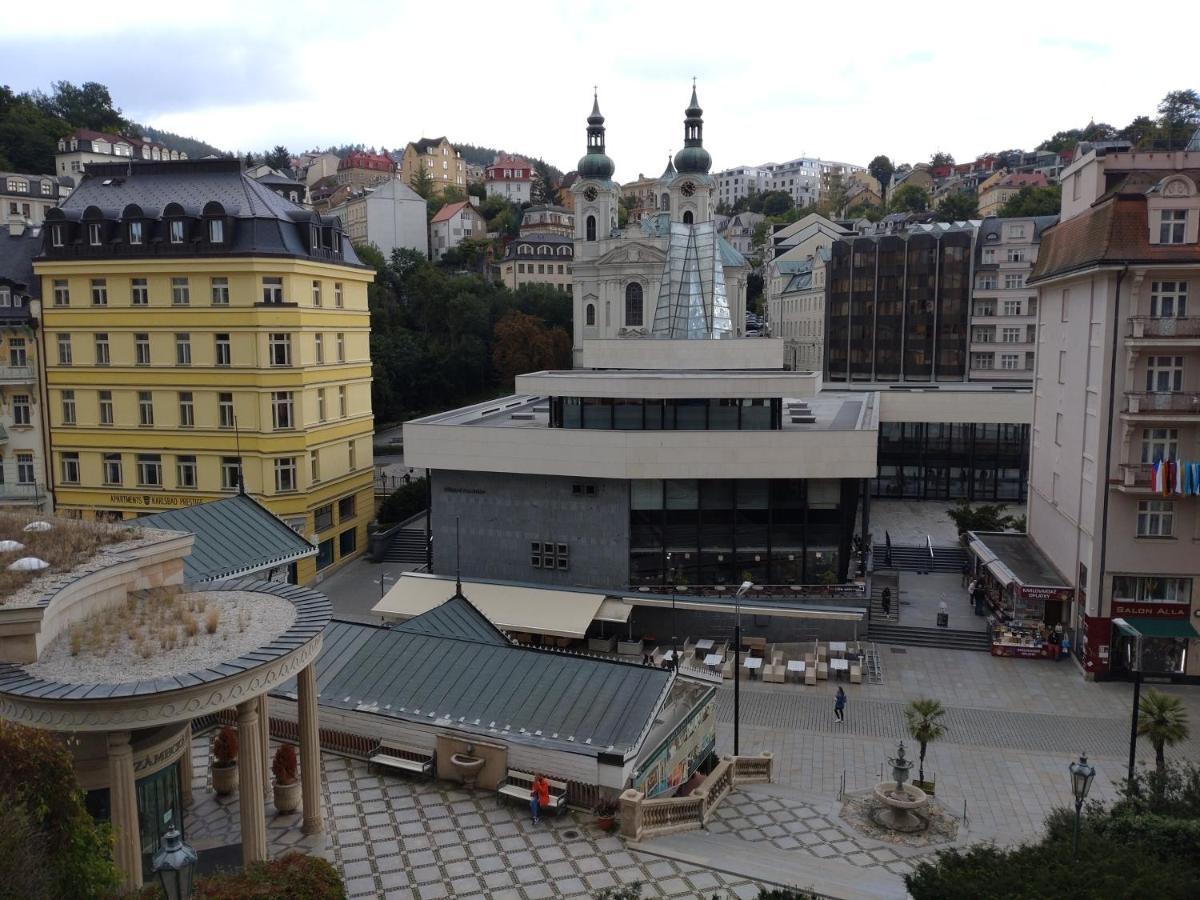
(203, 334)
(442, 163)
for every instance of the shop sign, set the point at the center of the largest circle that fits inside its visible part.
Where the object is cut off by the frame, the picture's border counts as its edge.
(155, 500)
(1036, 592)
(1134, 610)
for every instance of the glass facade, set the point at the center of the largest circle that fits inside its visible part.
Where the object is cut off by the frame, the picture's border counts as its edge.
(725, 531)
(622, 414)
(944, 461)
(898, 308)
(160, 808)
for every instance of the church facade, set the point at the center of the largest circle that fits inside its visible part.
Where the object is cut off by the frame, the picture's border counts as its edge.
(668, 276)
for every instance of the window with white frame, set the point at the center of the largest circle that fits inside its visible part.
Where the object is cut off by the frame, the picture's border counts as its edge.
(149, 470)
(139, 292)
(185, 471)
(272, 289)
(285, 474)
(145, 408)
(1168, 299)
(337, 294)
(1155, 518)
(25, 470)
(279, 349)
(176, 231)
(314, 467)
(1172, 226)
(70, 468)
(1014, 280)
(220, 291)
(141, 349)
(62, 292)
(112, 468)
(231, 473)
(983, 334)
(21, 410)
(282, 410)
(1159, 444)
(1010, 361)
(1010, 335)
(341, 401)
(1011, 307)
(135, 233)
(341, 347)
(1164, 374)
(320, 404)
(316, 293)
(64, 350)
(181, 293)
(99, 292)
(982, 360)
(1016, 232)
(352, 454)
(225, 415)
(95, 234)
(1152, 589)
(1015, 254)
(17, 353)
(56, 236)
(183, 349)
(221, 350)
(319, 348)
(216, 231)
(68, 407)
(106, 407)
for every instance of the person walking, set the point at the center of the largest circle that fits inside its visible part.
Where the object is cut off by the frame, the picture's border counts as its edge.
(1065, 646)
(839, 707)
(885, 600)
(539, 796)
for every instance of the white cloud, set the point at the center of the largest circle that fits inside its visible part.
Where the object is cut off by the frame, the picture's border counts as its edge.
(776, 79)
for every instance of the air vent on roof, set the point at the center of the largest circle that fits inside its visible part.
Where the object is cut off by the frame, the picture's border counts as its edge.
(803, 420)
(522, 416)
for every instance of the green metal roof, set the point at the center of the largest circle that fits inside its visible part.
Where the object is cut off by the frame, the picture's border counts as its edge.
(234, 536)
(729, 255)
(1157, 628)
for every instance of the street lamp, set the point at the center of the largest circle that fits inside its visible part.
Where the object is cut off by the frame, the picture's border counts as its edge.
(737, 660)
(384, 580)
(175, 864)
(1081, 782)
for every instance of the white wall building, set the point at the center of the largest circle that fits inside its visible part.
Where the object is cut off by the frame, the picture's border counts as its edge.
(390, 216)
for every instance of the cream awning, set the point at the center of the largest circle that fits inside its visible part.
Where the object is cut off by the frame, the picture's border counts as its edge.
(512, 607)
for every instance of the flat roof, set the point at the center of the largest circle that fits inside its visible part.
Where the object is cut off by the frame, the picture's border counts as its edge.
(1019, 554)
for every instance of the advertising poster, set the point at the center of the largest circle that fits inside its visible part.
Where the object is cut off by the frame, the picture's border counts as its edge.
(677, 758)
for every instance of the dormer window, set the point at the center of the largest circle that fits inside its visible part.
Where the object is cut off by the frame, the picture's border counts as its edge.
(56, 236)
(176, 231)
(135, 233)
(216, 231)
(95, 234)
(1172, 227)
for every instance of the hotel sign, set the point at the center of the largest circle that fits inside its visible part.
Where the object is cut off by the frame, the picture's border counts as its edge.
(164, 500)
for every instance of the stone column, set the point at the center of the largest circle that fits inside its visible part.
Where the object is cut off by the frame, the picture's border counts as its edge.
(127, 852)
(250, 773)
(264, 728)
(310, 751)
(185, 764)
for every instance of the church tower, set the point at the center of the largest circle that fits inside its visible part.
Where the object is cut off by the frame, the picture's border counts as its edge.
(691, 188)
(595, 193)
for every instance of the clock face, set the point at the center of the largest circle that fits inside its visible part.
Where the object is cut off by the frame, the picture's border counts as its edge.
(688, 189)
(590, 193)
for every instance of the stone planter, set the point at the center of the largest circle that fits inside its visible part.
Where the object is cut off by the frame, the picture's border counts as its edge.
(629, 648)
(225, 779)
(287, 796)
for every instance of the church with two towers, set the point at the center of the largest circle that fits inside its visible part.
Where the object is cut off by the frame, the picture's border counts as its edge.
(668, 276)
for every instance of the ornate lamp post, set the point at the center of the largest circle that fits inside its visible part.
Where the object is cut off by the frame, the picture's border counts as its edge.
(175, 864)
(737, 660)
(1081, 782)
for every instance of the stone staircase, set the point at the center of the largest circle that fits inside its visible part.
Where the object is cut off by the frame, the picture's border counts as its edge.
(407, 547)
(915, 558)
(946, 638)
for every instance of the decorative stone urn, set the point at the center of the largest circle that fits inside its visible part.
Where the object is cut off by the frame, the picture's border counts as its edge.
(225, 779)
(287, 797)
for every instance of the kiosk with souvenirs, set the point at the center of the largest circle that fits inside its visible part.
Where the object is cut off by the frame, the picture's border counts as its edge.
(1028, 600)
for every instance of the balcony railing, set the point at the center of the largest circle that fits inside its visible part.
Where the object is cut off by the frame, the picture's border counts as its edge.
(1156, 327)
(759, 591)
(1137, 476)
(16, 374)
(1180, 402)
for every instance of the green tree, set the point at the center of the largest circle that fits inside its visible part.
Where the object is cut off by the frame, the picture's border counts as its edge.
(941, 159)
(958, 206)
(405, 501)
(524, 344)
(909, 198)
(776, 203)
(37, 776)
(544, 187)
(1179, 114)
(28, 133)
(25, 867)
(477, 189)
(422, 183)
(868, 211)
(834, 196)
(1163, 720)
(1033, 201)
(249, 161)
(924, 720)
(1139, 132)
(278, 158)
(881, 169)
(985, 517)
(87, 106)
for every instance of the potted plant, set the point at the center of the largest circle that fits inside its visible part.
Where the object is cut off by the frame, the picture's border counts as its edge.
(224, 761)
(606, 815)
(287, 785)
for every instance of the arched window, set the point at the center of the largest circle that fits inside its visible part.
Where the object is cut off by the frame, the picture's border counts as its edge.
(591, 228)
(633, 305)
(687, 217)
(666, 202)
(589, 315)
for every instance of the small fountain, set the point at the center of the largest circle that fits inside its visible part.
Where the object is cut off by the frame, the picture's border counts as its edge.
(900, 801)
(467, 765)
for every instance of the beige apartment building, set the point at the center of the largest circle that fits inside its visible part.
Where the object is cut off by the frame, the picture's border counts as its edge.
(1002, 186)
(539, 259)
(1116, 427)
(437, 156)
(1003, 309)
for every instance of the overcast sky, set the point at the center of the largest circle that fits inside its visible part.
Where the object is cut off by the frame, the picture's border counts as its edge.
(843, 81)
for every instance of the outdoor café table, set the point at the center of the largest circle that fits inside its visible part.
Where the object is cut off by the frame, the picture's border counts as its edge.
(669, 655)
(752, 663)
(713, 660)
(839, 666)
(705, 644)
(797, 666)
(837, 647)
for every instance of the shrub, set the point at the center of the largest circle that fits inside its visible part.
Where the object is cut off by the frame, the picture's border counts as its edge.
(290, 877)
(212, 616)
(283, 767)
(225, 747)
(407, 500)
(24, 867)
(37, 779)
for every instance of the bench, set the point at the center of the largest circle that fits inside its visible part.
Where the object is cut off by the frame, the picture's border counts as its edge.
(517, 785)
(402, 759)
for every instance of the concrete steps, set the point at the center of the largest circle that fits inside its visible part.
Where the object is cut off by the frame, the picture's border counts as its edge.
(946, 638)
(407, 547)
(915, 558)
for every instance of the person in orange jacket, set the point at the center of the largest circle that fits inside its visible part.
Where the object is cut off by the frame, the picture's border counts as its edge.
(539, 796)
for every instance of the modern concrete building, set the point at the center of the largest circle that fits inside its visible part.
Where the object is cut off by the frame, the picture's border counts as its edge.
(539, 259)
(510, 177)
(206, 334)
(1116, 429)
(390, 215)
(22, 432)
(738, 183)
(84, 146)
(453, 224)
(444, 165)
(24, 199)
